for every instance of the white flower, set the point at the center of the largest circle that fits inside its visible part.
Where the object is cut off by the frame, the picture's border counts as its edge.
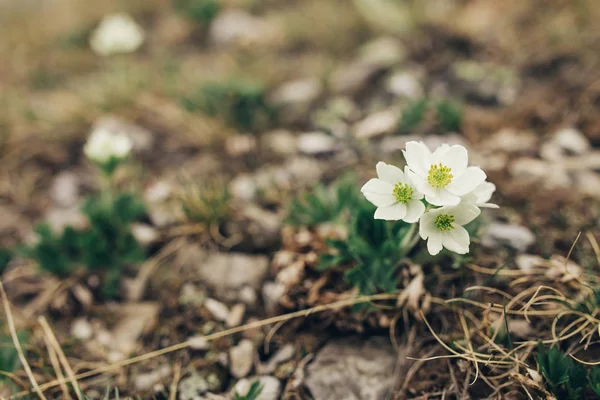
(104, 146)
(117, 33)
(442, 176)
(394, 195)
(443, 227)
(481, 195)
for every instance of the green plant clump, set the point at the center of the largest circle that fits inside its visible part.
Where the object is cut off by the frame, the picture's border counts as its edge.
(106, 244)
(240, 103)
(205, 203)
(253, 393)
(563, 376)
(201, 12)
(374, 247)
(324, 204)
(448, 115)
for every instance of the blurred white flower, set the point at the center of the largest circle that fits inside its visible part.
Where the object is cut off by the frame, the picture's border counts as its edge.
(442, 176)
(481, 195)
(394, 195)
(117, 33)
(105, 146)
(443, 227)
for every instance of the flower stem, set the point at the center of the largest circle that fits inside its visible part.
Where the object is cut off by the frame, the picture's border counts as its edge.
(410, 239)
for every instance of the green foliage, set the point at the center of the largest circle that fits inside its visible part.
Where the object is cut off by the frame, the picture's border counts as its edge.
(9, 358)
(448, 115)
(413, 114)
(324, 204)
(201, 12)
(253, 393)
(594, 380)
(106, 244)
(373, 246)
(564, 377)
(5, 256)
(240, 103)
(205, 203)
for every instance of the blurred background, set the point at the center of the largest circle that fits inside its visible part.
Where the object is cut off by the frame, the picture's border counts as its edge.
(234, 108)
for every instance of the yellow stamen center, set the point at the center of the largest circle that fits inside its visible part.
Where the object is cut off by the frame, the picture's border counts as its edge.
(444, 222)
(403, 193)
(439, 176)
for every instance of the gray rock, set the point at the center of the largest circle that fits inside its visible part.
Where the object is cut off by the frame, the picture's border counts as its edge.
(228, 273)
(383, 52)
(218, 310)
(241, 358)
(191, 387)
(404, 84)
(280, 141)
(511, 141)
(144, 234)
(271, 387)
(281, 356)
(243, 187)
(352, 369)
(515, 236)
(298, 92)
(236, 315)
(82, 329)
(353, 77)
(60, 218)
(568, 141)
(65, 189)
(588, 183)
(148, 380)
(377, 124)
(272, 292)
(314, 143)
(240, 28)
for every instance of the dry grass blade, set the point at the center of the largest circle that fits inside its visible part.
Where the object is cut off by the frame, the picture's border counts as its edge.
(57, 369)
(61, 356)
(176, 377)
(13, 334)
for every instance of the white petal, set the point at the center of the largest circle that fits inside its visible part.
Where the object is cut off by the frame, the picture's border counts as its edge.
(377, 186)
(436, 156)
(457, 240)
(417, 194)
(391, 213)
(390, 173)
(418, 182)
(465, 213)
(418, 158)
(441, 197)
(456, 158)
(487, 205)
(484, 192)
(467, 181)
(426, 227)
(414, 210)
(434, 244)
(380, 200)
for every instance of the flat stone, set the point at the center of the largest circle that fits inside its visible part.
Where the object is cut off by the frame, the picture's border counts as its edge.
(271, 387)
(82, 329)
(135, 319)
(228, 273)
(218, 310)
(241, 358)
(236, 315)
(352, 369)
(377, 124)
(383, 52)
(148, 380)
(236, 27)
(404, 84)
(280, 141)
(515, 236)
(65, 189)
(298, 92)
(313, 143)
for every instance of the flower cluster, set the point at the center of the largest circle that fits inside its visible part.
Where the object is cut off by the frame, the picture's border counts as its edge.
(107, 148)
(453, 194)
